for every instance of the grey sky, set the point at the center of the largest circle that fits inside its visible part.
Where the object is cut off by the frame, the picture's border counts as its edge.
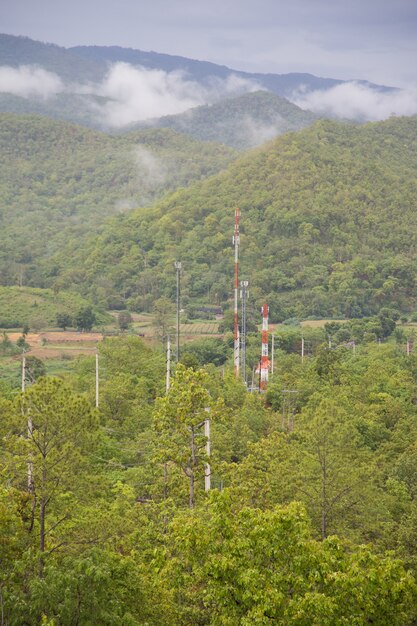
(365, 39)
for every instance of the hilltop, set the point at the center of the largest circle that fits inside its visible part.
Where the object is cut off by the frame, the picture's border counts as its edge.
(241, 122)
(329, 228)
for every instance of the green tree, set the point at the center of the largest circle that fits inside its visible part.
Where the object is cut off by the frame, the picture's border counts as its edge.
(63, 320)
(233, 565)
(60, 428)
(179, 419)
(124, 320)
(85, 318)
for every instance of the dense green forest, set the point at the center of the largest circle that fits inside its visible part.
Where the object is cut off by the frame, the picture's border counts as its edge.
(59, 181)
(311, 516)
(328, 229)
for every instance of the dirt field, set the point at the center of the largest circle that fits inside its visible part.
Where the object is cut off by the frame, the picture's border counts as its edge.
(50, 345)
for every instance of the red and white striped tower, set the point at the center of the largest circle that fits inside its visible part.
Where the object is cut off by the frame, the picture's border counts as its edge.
(236, 241)
(264, 357)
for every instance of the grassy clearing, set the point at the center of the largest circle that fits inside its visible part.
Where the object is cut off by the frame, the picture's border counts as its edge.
(38, 308)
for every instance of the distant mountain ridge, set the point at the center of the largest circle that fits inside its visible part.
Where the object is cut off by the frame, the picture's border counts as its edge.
(81, 71)
(201, 71)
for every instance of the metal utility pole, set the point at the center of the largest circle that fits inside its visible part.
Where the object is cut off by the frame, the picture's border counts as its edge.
(97, 380)
(272, 352)
(177, 266)
(23, 373)
(168, 378)
(236, 241)
(29, 425)
(207, 469)
(302, 348)
(244, 293)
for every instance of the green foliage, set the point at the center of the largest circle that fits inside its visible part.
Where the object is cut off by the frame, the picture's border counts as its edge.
(241, 122)
(85, 318)
(20, 306)
(63, 320)
(104, 517)
(244, 566)
(327, 217)
(60, 181)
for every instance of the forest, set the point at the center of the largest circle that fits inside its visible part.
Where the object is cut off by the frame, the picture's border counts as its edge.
(327, 228)
(311, 517)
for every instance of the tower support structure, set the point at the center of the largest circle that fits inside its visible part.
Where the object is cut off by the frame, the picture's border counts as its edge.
(236, 347)
(264, 354)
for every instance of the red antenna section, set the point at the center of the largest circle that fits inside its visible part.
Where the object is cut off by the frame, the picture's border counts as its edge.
(236, 241)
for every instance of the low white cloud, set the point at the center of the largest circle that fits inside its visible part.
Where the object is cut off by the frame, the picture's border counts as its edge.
(137, 93)
(131, 93)
(29, 81)
(150, 169)
(354, 100)
(254, 132)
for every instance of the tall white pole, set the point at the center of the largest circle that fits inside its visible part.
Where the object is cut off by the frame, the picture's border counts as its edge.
(272, 353)
(29, 425)
(168, 377)
(96, 379)
(408, 348)
(302, 348)
(177, 266)
(23, 373)
(207, 469)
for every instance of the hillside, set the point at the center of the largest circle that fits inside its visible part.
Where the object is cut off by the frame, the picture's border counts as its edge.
(59, 181)
(241, 122)
(38, 308)
(328, 228)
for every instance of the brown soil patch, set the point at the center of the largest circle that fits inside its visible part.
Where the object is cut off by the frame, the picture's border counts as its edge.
(67, 343)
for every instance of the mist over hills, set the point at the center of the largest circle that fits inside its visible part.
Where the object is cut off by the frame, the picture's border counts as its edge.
(59, 181)
(241, 122)
(112, 88)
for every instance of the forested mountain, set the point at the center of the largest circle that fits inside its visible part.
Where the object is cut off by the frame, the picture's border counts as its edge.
(204, 72)
(241, 122)
(328, 228)
(76, 87)
(16, 51)
(58, 182)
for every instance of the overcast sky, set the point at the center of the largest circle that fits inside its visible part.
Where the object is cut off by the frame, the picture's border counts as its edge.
(365, 39)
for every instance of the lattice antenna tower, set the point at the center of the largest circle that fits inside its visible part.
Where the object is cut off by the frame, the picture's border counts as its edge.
(236, 241)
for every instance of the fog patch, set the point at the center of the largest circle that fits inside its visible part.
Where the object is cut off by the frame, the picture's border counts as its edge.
(28, 81)
(124, 205)
(255, 132)
(232, 85)
(138, 93)
(355, 101)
